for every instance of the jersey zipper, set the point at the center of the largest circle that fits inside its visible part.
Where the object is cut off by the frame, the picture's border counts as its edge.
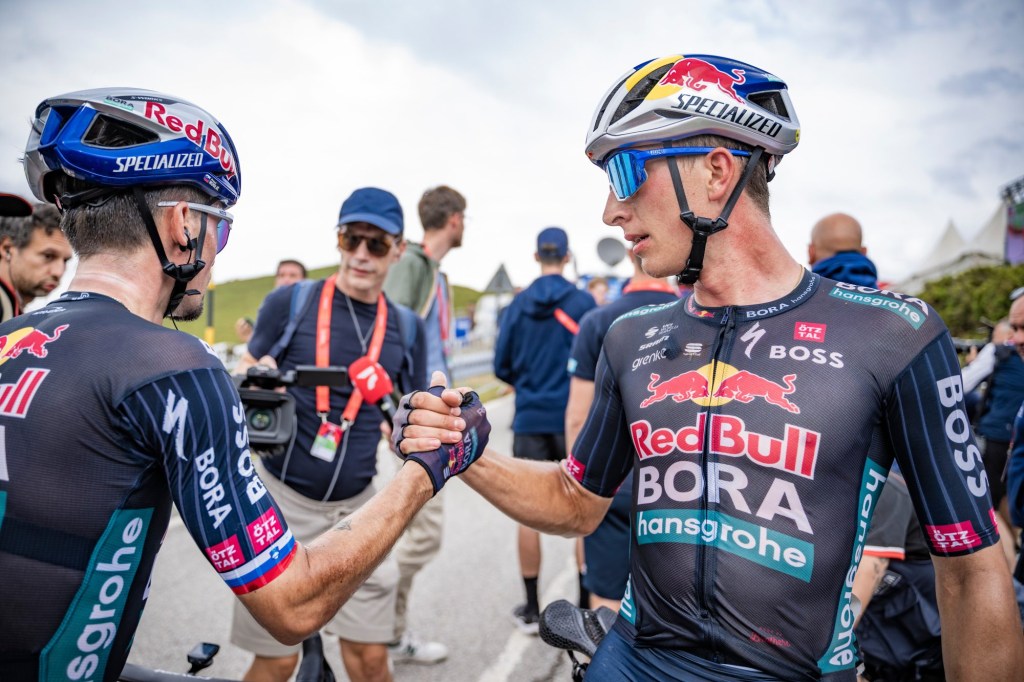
(705, 560)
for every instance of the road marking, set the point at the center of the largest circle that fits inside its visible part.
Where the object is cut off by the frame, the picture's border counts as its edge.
(519, 642)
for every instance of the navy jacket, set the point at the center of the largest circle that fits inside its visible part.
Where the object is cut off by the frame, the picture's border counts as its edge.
(533, 349)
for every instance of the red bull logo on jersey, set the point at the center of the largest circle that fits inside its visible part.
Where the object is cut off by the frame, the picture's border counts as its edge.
(717, 384)
(697, 74)
(796, 452)
(27, 340)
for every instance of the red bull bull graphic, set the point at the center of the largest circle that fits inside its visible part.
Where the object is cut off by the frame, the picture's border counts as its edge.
(744, 386)
(697, 74)
(796, 452)
(720, 383)
(27, 340)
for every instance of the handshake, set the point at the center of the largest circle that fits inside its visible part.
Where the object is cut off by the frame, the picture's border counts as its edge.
(442, 430)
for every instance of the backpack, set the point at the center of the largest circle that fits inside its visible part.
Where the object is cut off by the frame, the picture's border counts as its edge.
(303, 300)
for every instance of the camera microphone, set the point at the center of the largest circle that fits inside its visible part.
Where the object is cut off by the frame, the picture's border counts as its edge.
(374, 383)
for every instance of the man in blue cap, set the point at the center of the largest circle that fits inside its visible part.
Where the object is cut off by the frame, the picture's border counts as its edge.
(531, 354)
(327, 473)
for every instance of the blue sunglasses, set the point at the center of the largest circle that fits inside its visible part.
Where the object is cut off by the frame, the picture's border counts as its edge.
(626, 170)
(223, 225)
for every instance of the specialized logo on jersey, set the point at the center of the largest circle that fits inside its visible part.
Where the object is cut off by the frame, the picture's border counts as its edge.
(913, 310)
(717, 384)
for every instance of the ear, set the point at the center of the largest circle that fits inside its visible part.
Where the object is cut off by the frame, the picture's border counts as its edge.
(812, 254)
(175, 226)
(6, 245)
(721, 167)
(400, 251)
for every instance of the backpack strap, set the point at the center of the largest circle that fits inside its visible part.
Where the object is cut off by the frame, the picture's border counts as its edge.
(407, 329)
(302, 301)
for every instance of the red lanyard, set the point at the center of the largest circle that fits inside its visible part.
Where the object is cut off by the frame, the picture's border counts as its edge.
(443, 305)
(323, 349)
(656, 285)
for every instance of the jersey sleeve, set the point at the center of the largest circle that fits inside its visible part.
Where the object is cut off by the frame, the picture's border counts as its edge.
(586, 347)
(887, 536)
(271, 320)
(196, 423)
(602, 456)
(934, 445)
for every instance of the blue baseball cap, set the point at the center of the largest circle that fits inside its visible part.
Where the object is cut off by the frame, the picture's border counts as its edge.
(376, 206)
(553, 241)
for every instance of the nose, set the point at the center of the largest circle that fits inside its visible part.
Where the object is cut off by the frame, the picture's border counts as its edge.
(615, 211)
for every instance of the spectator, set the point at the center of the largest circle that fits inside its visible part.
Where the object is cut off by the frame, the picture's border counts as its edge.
(836, 251)
(1002, 399)
(327, 474)
(289, 272)
(35, 254)
(531, 354)
(980, 364)
(606, 550)
(598, 288)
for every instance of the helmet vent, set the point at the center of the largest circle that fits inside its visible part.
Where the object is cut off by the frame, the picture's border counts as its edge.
(636, 96)
(770, 101)
(112, 133)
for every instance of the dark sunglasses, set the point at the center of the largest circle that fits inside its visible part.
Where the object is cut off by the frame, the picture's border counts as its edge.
(377, 246)
(223, 224)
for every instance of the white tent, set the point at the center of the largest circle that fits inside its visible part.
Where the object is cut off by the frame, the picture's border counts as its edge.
(952, 254)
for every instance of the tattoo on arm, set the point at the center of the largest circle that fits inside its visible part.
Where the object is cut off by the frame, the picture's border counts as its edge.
(880, 565)
(344, 525)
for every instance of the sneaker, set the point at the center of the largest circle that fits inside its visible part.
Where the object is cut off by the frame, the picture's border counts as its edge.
(411, 650)
(526, 621)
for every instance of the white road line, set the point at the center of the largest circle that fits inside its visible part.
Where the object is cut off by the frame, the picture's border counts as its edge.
(518, 642)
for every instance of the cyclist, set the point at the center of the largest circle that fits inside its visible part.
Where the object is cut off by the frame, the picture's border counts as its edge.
(760, 438)
(106, 417)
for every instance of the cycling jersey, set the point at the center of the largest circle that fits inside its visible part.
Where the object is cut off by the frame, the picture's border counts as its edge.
(761, 437)
(105, 418)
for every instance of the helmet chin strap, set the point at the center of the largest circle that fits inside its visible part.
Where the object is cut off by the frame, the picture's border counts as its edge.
(705, 227)
(181, 274)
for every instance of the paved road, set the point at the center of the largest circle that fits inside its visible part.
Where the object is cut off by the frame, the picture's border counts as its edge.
(463, 598)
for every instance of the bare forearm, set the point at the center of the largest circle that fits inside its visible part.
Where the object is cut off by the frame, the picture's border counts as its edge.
(327, 571)
(869, 575)
(981, 627)
(536, 494)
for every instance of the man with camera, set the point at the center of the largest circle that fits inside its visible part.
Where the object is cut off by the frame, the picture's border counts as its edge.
(327, 472)
(106, 416)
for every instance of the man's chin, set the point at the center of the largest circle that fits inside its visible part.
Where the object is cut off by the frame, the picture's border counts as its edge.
(186, 314)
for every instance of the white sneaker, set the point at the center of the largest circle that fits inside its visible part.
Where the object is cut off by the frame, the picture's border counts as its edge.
(411, 650)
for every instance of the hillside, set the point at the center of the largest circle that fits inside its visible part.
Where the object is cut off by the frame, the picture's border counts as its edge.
(241, 298)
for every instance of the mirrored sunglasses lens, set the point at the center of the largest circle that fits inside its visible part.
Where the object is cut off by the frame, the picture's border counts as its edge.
(623, 176)
(223, 232)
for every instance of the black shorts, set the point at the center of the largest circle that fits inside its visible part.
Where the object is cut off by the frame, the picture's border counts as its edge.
(544, 447)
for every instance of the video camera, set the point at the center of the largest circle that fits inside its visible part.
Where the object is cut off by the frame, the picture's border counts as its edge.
(269, 414)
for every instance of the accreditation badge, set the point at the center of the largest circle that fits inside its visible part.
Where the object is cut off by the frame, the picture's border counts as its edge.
(328, 438)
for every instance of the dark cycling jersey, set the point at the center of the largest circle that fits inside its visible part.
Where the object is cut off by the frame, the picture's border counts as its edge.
(760, 438)
(105, 418)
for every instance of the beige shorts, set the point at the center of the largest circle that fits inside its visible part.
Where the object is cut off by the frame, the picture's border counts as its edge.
(368, 617)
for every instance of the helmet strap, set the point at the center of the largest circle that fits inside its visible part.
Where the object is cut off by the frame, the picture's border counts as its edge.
(705, 227)
(181, 274)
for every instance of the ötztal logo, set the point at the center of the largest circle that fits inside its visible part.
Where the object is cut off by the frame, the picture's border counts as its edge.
(809, 331)
(717, 384)
(201, 133)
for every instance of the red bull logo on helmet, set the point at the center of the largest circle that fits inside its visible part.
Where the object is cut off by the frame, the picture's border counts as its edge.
(201, 133)
(697, 74)
(721, 383)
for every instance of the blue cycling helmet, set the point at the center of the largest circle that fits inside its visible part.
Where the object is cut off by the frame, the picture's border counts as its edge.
(114, 138)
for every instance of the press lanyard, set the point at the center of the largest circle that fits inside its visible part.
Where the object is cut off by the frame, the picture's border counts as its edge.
(323, 351)
(657, 285)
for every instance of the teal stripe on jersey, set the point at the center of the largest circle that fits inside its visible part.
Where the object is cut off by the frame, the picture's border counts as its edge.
(841, 653)
(81, 646)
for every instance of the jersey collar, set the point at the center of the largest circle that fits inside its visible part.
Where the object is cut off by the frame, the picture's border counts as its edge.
(804, 289)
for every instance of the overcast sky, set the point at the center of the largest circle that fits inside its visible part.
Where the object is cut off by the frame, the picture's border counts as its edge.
(912, 113)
